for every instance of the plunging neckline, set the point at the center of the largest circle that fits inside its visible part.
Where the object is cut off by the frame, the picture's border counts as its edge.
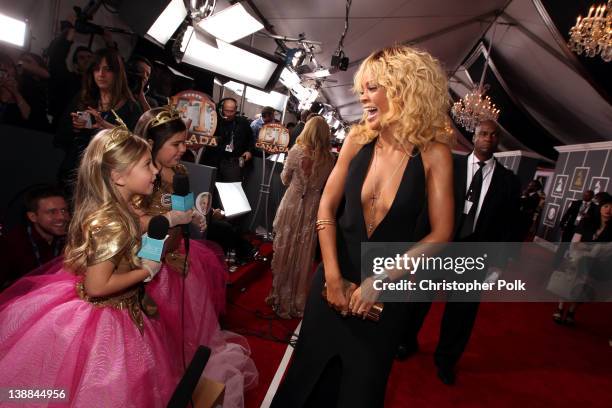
(365, 175)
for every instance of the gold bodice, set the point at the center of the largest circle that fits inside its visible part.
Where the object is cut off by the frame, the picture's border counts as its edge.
(110, 241)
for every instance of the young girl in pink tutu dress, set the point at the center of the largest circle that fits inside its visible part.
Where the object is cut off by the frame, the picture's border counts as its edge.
(201, 291)
(81, 327)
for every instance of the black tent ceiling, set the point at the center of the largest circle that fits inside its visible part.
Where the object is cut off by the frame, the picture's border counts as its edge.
(548, 96)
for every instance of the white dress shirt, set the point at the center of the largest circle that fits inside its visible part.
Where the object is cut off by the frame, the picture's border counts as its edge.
(487, 175)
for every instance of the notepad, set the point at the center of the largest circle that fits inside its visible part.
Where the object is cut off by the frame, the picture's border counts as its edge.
(233, 199)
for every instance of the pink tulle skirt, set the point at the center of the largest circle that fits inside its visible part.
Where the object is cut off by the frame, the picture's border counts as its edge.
(203, 300)
(52, 339)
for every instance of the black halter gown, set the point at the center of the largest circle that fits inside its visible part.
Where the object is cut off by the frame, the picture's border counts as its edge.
(345, 362)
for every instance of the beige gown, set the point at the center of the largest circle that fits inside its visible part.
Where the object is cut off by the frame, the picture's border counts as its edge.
(294, 228)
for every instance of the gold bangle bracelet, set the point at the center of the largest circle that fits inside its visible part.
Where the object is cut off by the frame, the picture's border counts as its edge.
(321, 222)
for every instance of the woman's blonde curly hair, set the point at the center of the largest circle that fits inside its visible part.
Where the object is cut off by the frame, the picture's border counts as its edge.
(417, 91)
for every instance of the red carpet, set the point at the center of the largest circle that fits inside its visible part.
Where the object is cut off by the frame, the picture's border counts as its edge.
(244, 315)
(517, 356)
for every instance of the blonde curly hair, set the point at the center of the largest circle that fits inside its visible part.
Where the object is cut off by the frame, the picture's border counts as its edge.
(417, 90)
(317, 137)
(98, 203)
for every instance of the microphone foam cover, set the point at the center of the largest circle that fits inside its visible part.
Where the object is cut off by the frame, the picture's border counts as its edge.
(158, 227)
(180, 184)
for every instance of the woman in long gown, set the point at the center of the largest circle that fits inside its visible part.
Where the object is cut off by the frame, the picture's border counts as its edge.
(201, 293)
(305, 172)
(394, 172)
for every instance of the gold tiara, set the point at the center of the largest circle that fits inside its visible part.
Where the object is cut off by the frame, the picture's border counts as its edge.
(116, 136)
(168, 114)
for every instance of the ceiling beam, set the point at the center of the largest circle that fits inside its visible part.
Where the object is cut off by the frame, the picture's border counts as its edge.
(267, 25)
(344, 105)
(476, 19)
(543, 44)
(481, 49)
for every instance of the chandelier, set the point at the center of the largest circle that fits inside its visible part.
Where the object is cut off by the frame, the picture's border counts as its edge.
(592, 35)
(475, 106)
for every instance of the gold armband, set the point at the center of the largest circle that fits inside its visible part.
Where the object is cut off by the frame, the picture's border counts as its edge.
(320, 224)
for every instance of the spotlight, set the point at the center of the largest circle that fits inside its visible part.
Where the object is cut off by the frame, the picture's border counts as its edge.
(12, 31)
(157, 21)
(239, 62)
(231, 24)
(295, 57)
(340, 61)
(202, 8)
(320, 73)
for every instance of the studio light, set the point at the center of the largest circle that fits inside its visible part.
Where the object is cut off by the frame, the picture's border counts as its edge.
(235, 87)
(167, 22)
(273, 99)
(12, 31)
(307, 97)
(250, 66)
(295, 57)
(341, 134)
(289, 79)
(340, 61)
(157, 21)
(231, 24)
(321, 73)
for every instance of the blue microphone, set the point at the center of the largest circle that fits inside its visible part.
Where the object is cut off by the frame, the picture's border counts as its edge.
(153, 241)
(182, 198)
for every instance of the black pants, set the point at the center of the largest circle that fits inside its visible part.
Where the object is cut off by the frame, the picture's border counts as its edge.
(457, 321)
(229, 170)
(455, 329)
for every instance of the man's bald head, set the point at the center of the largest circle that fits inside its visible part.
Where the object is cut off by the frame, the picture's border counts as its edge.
(486, 139)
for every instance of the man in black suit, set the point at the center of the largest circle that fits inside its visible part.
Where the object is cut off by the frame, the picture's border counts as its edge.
(295, 132)
(578, 211)
(487, 202)
(530, 201)
(235, 143)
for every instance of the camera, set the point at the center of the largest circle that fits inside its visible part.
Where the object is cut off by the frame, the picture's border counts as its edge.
(84, 16)
(86, 117)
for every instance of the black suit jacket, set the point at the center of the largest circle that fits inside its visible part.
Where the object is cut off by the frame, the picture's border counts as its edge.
(500, 211)
(569, 218)
(295, 133)
(243, 141)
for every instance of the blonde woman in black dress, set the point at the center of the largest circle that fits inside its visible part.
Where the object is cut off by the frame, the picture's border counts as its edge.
(394, 172)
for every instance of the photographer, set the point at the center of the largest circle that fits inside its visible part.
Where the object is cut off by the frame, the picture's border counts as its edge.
(34, 82)
(64, 84)
(14, 108)
(138, 71)
(104, 93)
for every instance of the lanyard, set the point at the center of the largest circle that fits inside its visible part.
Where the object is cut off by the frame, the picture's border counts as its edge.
(231, 143)
(35, 247)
